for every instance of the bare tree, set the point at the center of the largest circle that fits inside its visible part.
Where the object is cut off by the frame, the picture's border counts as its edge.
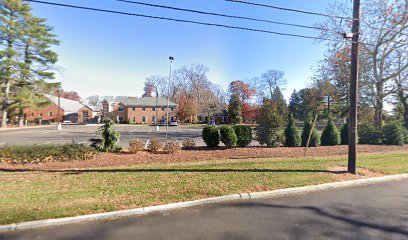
(272, 79)
(383, 34)
(401, 82)
(158, 85)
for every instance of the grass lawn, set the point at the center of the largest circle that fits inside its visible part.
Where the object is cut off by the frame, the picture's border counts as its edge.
(37, 195)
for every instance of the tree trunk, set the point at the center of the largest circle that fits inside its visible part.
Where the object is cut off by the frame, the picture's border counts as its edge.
(21, 118)
(379, 106)
(5, 105)
(4, 118)
(406, 115)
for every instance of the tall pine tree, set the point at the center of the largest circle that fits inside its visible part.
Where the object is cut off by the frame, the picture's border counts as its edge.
(28, 59)
(235, 109)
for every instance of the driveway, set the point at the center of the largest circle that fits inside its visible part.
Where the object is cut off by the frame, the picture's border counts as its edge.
(82, 133)
(368, 212)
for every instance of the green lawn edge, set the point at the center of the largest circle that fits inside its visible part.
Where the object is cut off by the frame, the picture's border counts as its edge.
(36, 195)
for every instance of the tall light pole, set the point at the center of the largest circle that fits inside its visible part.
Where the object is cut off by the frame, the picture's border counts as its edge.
(168, 96)
(352, 154)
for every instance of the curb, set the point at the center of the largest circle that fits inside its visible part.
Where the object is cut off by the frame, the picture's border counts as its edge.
(180, 205)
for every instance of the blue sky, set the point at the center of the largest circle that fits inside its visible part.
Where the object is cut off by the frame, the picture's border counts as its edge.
(110, 54)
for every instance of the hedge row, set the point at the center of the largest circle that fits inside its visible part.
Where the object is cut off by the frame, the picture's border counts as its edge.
(236, 136)
(28, 154)
(241, 136)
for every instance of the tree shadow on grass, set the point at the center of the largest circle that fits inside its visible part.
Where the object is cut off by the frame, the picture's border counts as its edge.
(148, 170)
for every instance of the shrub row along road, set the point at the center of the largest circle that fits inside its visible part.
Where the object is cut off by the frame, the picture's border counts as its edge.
(81, 134)
(369, 212)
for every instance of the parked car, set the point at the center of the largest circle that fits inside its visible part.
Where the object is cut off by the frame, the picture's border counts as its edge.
(211, 123)
(162, 122)
(173, 123)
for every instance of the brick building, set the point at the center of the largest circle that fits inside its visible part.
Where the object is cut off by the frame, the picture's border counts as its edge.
(68, 111)
(138, 110)
(89, 114)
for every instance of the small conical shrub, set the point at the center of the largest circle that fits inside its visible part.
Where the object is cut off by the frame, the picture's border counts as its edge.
(330, 135)
(393, 134)
(244, 135)
(292, 134)
(228, 136)
(109, 137)
(306, 131)
(314, 139)
(344, 134)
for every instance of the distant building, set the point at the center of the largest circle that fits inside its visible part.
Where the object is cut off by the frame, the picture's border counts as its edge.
(220, 117)
(68, 111)
(89, 114)
(138, 110)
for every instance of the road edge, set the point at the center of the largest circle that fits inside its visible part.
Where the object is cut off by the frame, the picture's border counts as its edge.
(180, 205)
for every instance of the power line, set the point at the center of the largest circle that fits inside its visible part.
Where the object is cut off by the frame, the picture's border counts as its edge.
(177, 20)
(289, 9)
(228, 16)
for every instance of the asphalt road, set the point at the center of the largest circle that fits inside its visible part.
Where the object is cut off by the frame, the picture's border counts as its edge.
(369, 212)
(82, 133)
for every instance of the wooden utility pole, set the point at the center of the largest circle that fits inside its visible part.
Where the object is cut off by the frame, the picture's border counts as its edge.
(352, 155)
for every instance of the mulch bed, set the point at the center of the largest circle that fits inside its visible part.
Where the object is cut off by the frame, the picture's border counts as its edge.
(203, 154)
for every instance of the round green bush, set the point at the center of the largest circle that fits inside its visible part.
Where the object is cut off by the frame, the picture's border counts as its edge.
(244, 135)
(368, 134)
(211, 136)
(344, 133)
(393, 134)
(330, 135)
(292, 134)
(228, 136)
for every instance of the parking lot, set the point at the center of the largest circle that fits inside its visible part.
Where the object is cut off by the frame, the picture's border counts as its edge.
(82, 133)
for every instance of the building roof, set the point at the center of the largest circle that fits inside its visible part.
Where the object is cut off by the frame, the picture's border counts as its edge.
(69, 106)
(94, 108)
(147, 102)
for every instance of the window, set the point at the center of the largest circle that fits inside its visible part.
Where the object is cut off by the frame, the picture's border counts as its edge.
(134, 119)
(154, 119)
(120, 109)
(32, 114)
(120, 119)
(49, 114)
(144, 109)
(171, 109)
(133, 109)
(162, 109)
(143, 119)
(154, 109)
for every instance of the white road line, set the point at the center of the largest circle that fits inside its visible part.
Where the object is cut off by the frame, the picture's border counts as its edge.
(150, 130)
(180, 130)
(83, 142)
(134, 130)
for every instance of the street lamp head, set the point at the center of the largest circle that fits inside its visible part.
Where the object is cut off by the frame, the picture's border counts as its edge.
(171, 58)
